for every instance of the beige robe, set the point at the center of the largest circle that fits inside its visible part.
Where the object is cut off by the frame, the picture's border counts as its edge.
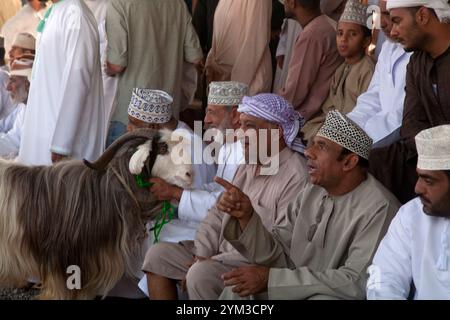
(240, 46)
(324, 246)
(314, 60)
(269, 194)
(349, 82)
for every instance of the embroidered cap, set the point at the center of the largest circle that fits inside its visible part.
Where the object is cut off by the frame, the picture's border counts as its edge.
(340, 129)
(151, 106)
(355, 12)
(227, 93)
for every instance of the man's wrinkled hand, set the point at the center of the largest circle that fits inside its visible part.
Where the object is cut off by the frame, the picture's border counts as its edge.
(247, 280)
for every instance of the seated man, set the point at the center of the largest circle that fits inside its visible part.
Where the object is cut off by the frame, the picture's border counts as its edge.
(415, 251)
(330, 232)
(221, 116)
(269, 191)
(352, 78)
(18, 86)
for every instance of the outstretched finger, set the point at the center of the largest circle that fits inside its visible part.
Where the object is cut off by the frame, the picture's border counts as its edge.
(224, 183)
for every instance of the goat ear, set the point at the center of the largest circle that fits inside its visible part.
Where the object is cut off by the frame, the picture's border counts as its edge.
(138, 159)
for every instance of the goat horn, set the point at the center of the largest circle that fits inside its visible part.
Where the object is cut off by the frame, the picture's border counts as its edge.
(109, 153)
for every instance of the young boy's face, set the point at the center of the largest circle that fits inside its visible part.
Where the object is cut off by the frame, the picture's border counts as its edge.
(351, 41)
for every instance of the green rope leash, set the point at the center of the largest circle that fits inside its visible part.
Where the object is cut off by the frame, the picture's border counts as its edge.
(166, 214)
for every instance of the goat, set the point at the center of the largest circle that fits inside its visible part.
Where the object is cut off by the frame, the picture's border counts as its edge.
(91, 215)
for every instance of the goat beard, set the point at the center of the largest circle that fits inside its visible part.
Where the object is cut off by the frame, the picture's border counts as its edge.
(55, 217)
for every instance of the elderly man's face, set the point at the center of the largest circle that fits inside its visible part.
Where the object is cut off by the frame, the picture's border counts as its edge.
(406, 29)
(219, 117)
(433, 188)
(324, 164)
(18, 87)
(255, 143)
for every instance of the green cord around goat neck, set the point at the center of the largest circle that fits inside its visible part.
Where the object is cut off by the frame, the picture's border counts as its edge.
(165, 216)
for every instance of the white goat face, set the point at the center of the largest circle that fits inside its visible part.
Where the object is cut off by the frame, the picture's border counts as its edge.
(175, 166)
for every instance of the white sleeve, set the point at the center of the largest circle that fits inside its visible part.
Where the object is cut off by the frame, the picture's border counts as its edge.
(369, 103)
(391, 271)
(194, 204)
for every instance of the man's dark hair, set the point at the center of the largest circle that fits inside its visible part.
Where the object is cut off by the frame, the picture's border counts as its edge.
(363, 163)
(309, 4)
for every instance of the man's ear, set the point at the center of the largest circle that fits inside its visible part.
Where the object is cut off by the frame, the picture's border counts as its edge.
(423, 16)
(235, 117)
(350, 162)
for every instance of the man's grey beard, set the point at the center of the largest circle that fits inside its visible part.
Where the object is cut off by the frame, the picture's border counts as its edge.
(21, 96)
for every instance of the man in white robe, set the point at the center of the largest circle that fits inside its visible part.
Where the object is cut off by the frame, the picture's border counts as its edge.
(65, 114)
(26, 20)
(413, 260)
(379, 111)
(18, 85)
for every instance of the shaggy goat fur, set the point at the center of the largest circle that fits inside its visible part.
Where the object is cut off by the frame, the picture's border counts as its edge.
(69, 214)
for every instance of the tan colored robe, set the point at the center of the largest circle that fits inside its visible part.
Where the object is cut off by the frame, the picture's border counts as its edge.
(269, 194)
(240, 46)
(324, 246)
(349, 82)
(313, 63)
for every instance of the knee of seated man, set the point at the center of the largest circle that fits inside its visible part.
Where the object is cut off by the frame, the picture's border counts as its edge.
(200, 274)
(156, 256)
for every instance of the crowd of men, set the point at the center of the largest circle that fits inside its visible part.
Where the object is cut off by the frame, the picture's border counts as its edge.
(358, 205)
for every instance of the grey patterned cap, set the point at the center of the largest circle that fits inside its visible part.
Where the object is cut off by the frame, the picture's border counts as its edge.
(227, 93)
(340, 129)
(151, 106)
(355, 12)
